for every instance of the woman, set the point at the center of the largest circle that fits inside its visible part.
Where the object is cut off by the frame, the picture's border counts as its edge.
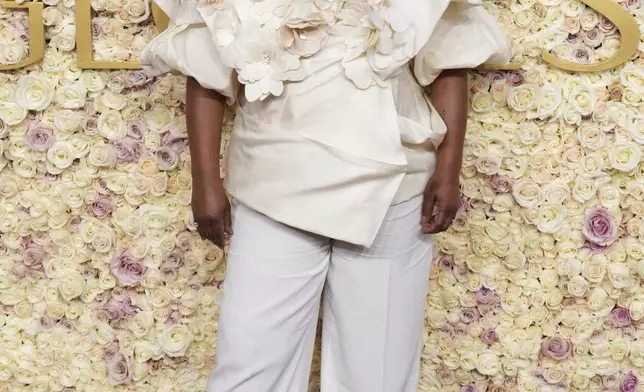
(340, 167)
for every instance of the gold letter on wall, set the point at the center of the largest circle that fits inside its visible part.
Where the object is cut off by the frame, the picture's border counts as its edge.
(628, 29)
(36, 34)
(84, 47)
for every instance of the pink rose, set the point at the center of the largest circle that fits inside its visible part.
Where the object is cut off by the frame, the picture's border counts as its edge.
(119, 369)
(126, 268)
(101, 207)
(166, 158)
(495, 76)
(581, 55)
(136, 78)
(599, 227)
(134, 129)
(485, 295)
(39, 138)
(489, 336)
(501, 184)
(34, 256)
(468, 315)
(621, 317)
(514, 78)
(556, 347)
(90, 126)
(629, 383)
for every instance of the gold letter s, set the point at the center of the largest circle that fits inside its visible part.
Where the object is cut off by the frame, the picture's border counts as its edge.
(629, 31)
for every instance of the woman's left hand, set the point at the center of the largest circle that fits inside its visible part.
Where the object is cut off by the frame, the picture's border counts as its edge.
(443, 194)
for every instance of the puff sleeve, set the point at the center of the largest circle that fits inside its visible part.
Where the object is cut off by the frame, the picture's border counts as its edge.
(466, 36)
(187, 46)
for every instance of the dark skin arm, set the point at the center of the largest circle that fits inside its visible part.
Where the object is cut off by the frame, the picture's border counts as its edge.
(210, 205)
(449, 95)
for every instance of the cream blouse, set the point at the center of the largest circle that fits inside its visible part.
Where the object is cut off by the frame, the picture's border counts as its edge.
(332, 123)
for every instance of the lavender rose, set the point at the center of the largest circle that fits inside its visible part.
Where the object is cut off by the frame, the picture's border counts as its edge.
(469, 388)
(101, 207)
(39, 138)
(124, 150)
(556, 347)
(119, 369)
(134, 129)
(629, 383)
(501, 184)
(599, 227)
(113, 310)
(489, 336)
(90, 125)
(166, 158)
(34, 256)
(485, 295)
(126, 268)
(621, 317)
(515, 78)
(468, 315)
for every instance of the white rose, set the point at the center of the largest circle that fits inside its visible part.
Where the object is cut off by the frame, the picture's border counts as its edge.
(111, 125)
(578, 286)
(11, 113)
(61, 154)
(556, 192)
(619, 275)
(92, 81)
(174, 341)
(523, 98)
(625, 156)
(158, 119)
(584, 189)
(594, 269)
(527, 193)
(633, 77)
(102, 155)
(488, 364)
(551, 217)
(65, 40)
(71, 286)
(591, 136)
(609, 196)
(71, 96)
(34, 92)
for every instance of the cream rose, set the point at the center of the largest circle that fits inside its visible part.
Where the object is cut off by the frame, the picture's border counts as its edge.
(174, 340)
(34, 92)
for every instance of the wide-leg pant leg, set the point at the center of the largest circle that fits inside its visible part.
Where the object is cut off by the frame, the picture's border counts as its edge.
(374, 306)
(270, 309)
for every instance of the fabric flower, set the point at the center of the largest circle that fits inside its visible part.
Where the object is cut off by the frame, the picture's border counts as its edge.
(262, 62)
(377, 38)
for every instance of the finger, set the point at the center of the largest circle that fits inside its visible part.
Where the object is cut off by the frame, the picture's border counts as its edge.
(429, 201)
(445, 220)
(228, 222)
(219, 237)
(205, 230)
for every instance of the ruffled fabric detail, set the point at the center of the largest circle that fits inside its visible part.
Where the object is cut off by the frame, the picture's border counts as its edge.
(466, 36)
(187, 46)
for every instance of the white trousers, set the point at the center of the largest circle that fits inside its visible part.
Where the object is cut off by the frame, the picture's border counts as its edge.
(373, 307)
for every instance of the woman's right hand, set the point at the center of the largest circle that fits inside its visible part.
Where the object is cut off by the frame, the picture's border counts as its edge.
(211, 211)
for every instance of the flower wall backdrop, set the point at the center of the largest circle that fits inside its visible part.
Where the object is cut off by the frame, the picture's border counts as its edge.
(105, 286)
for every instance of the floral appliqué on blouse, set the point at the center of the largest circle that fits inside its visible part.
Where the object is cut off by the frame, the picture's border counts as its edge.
(265, 42)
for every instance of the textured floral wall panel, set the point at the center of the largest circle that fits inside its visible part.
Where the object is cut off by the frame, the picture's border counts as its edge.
(104, 285)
